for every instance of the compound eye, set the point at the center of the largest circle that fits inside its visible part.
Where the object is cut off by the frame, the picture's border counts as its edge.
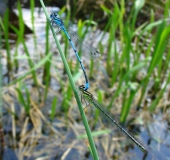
(51, 15)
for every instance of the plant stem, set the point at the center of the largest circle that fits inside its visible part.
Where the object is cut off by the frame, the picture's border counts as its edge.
(92, 145)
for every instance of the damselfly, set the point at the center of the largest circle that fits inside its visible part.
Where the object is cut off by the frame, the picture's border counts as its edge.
(85, 47)
(110, 118)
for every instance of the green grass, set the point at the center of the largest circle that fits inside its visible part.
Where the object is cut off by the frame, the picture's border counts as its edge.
(32, 6)
(5, 28)
(47, 66)
(53, 108)
(25, 101)
(123, 67)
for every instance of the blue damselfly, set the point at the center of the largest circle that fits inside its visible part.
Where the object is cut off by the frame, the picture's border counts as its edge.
(86, 48)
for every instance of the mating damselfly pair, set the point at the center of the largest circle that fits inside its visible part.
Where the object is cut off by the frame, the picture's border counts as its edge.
(111, 120)
(92, 53)
(86, 48)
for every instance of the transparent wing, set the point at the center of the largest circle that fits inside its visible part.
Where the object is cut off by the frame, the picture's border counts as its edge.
(83, 46)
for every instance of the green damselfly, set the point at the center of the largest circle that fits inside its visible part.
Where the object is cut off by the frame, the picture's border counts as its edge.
(110, 118)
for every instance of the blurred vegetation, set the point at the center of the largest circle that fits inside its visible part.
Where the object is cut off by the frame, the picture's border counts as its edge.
(80, 9)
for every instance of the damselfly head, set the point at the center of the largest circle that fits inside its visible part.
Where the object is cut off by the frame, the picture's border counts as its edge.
(82, 87)
(53, 15)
